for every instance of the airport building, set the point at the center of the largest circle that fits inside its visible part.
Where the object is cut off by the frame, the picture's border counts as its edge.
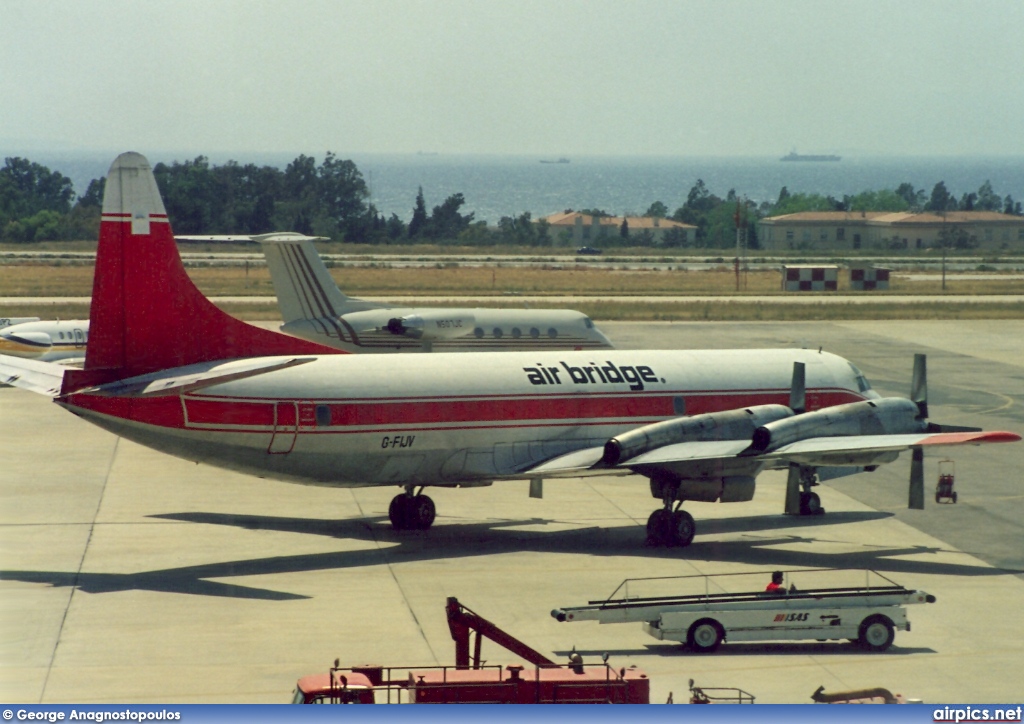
(881, 230)
(583, 229)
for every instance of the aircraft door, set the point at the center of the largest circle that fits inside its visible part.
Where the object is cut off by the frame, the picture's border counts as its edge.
(79, 339)
(286, 427)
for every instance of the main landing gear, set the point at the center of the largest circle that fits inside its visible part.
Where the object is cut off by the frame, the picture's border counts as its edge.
(671, 525)
(673, 528)
(410, 511)
(800, 497)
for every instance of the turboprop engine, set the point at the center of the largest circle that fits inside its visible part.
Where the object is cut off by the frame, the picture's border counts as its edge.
(889, 416)
(728, 425)
(432, 325)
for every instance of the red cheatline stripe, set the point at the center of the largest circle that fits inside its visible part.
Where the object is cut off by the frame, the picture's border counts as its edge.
(501, 412)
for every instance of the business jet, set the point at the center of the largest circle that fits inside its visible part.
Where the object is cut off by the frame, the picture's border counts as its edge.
(166, 368)
(46, 340)
(314, 308)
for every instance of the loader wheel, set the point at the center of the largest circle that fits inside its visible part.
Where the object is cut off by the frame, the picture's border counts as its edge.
(876, 633)
(705, 635)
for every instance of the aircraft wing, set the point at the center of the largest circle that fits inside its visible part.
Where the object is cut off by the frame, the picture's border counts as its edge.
(43, 378)
(848, 450)
(687, 457)
(679, 458)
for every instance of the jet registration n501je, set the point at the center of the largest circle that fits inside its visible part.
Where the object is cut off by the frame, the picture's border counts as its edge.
(166, 368)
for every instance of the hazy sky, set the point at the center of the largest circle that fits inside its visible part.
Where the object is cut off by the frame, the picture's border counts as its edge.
(558, 77)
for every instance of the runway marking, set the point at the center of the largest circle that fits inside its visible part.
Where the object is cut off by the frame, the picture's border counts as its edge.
(81, 563)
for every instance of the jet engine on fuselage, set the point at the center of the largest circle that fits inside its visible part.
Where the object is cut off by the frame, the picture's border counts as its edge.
(432, 325)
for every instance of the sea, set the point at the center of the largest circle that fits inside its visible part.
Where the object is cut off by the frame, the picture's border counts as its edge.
(497, 186)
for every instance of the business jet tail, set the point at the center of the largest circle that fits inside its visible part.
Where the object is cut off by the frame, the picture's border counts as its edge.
(304, 287)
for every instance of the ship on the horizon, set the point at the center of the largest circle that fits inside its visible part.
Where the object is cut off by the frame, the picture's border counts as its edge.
(794, 156)
(563, 159)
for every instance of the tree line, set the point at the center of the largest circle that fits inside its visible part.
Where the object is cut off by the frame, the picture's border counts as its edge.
(331, 199)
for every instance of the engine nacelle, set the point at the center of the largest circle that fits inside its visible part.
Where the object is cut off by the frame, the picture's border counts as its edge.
(727, 425)
(889, 416)
(728, 489)
(432, 325)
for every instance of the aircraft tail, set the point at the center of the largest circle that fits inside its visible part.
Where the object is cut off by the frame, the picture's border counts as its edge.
(304, 287)
(146, 313)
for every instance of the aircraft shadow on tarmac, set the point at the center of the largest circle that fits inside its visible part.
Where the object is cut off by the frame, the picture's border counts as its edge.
(466, 540)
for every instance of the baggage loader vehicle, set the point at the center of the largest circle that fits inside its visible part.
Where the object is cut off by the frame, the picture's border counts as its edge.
(730, 608)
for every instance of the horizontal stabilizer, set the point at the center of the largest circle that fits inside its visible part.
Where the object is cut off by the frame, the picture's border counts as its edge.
(43, 378)
(275, 236)
(196, 377)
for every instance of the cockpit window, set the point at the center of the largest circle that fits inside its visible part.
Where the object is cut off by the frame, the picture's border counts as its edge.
(587, 323)
(862, 382)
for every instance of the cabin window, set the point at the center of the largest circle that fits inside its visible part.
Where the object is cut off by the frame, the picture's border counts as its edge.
(478, 332)
(323, 415)
(679, 406)
(552, 332)
(517, 333)
(61, 335)
(534, 332)
(497, 332)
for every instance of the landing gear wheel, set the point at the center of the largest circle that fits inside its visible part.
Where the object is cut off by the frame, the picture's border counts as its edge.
(411, 512)
(682, 529)
(420, 513)
(705, 635)
(398, 511)
(810, 504)
(876, 633)
(659, 526)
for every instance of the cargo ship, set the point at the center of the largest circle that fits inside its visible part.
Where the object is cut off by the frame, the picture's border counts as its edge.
(794, 156)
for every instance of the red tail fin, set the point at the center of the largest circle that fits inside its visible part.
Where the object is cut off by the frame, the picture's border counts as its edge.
(146, 313)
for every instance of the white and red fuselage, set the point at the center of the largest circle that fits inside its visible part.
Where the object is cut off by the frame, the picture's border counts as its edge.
(357, 420)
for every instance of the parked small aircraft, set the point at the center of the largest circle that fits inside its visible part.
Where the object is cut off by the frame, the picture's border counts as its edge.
(46, 340)
(314, 308)
(166, 368)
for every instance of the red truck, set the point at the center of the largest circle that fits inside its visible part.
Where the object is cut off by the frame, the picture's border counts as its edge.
(545, 682)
